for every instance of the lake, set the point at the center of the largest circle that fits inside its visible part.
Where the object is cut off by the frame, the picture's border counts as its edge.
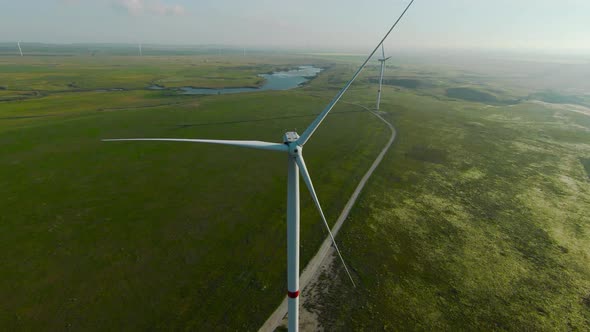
(281, 80)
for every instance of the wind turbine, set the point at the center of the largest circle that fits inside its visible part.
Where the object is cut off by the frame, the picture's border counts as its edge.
(140, 53)
(292, 145)
(19, 49)
(382, 60)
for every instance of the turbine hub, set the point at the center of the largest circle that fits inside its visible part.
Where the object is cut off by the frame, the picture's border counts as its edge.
(294, 149)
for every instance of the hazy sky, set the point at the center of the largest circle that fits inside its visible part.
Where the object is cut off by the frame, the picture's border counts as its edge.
(336, 24)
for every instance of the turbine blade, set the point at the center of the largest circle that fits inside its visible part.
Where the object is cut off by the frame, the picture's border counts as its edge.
(315, 124)
(307, 180)
(246, 144)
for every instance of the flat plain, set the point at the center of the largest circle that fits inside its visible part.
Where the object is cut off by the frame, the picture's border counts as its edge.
(477, 218)
(99, 235)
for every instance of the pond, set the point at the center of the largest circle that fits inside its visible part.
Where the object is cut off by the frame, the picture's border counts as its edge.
(281, 80)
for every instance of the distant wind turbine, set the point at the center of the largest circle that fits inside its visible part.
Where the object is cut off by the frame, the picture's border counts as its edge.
(292, 145)
(382, 60)
(140, 54)
(19, 49)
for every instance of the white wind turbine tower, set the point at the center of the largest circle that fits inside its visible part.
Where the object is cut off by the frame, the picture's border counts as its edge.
(292, 145)
(19, 49)
(382, 60)
(140, 53)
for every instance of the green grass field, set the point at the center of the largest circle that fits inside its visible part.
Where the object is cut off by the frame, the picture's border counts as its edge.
(126, 236)
(477, 218)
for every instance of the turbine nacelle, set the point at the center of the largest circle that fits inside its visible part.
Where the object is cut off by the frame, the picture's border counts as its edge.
(290, 137)
(291, 140)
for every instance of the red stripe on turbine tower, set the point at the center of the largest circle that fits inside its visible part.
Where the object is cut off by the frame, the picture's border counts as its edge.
(293, 295)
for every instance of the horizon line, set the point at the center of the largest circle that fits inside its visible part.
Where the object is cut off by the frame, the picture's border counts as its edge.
(315, 49)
